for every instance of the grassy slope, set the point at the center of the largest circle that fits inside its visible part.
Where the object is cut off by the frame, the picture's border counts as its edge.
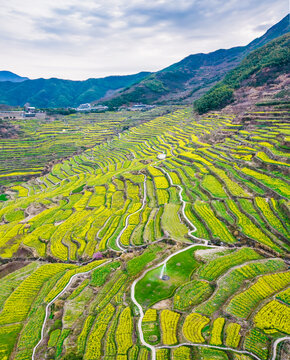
(152, 289)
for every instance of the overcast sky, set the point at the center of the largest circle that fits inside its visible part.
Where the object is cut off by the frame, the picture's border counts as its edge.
(78, 39)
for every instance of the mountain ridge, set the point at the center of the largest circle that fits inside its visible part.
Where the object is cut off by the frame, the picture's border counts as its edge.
(6, 75)
(189, 78)
(56, 92)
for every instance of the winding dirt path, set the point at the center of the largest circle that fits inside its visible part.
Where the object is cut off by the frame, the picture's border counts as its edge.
(191, 225)
(53, 300)
(121, 247)
(141, 312)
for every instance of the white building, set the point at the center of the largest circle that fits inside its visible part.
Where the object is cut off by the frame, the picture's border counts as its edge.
(84, 107)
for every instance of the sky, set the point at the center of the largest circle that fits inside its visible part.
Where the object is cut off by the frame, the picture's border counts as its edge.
(79, 39)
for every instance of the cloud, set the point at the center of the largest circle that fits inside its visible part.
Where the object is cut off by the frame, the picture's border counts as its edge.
(77, 40)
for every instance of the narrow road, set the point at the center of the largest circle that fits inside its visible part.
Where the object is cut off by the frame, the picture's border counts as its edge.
(52, 301)
(275, 345)
(121, 247)
(211, 347)
(191, 225)
(141, 312)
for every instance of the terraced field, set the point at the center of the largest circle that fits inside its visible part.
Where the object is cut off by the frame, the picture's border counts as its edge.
(121, 255)
(37, 144)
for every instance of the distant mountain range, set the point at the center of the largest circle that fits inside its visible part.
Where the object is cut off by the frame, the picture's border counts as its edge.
(55, 93)
(10, 76)
(182, 82)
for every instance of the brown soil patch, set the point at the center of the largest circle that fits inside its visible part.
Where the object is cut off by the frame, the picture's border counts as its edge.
(163, 304)
(11, 267)
(23, 252)
(33, 210)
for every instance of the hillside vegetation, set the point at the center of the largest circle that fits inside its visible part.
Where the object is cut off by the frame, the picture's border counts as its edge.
(274, 56)
(10, 76)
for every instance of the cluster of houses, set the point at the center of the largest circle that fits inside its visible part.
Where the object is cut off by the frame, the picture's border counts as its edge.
(138, 107)
(87, 107)
(31, 111)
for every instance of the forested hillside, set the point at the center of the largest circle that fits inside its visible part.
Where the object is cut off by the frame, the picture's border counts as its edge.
(261, 66)
(54, 92)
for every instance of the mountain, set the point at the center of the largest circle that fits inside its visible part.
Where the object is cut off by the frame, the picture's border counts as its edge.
(262, 66)
(188, 79)
(182, 82)
(10, 76)
(63, 93)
